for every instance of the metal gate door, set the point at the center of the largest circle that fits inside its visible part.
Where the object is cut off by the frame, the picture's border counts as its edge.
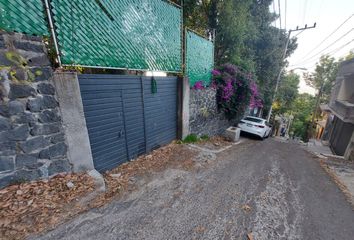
(124, 118)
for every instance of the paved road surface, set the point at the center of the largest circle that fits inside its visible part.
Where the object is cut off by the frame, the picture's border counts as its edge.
(274, 190)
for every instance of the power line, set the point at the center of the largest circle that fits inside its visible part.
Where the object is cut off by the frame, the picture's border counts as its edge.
(330, 45)
(279, 13)
(329, 36)
(326, 54)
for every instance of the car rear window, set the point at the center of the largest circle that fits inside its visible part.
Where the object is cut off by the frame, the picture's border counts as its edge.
(256, 120)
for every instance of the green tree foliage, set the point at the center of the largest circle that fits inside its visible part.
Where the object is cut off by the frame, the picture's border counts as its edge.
(244, 37)
(350, 56)
(287, 93)
(323, 78)
(302, 111)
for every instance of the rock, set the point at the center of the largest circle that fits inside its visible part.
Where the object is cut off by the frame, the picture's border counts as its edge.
(70, 184)
(2, 43)
(19, 74)
(27, 175)
(24, 160)
(59, 166)
(117, 175)
(7, 180)
(55, 151)
(21, 91)
(7, 146)
(27, 46)
(16, 107)
(45, 129)
(4, 124)
(20, 133)
(4, 60)
(46, 88)
(35, 104)
(4, 110)
(60, 137)
(48, 116)
(7, 163)
(33, 144)
(41, 74)
(49, 102)
(31, 38)
(41, 60)
(23, 118)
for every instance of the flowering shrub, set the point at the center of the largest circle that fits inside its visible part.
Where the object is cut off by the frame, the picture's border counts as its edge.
(255, 101)
(198, 85)
(236, 90)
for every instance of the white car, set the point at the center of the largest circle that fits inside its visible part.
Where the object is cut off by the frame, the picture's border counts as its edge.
(256, 126)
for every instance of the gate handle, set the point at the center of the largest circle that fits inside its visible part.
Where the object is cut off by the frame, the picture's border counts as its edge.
(120, 134)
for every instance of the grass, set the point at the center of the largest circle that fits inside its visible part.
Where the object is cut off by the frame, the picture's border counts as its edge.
(193, 138)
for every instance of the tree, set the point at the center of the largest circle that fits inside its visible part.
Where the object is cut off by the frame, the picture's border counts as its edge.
(287, 93)
(349, 56)
(302, 111)
(244, 37)
(323, 78)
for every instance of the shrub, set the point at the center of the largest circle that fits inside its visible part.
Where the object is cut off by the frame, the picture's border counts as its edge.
(235, 90)
(191, 138)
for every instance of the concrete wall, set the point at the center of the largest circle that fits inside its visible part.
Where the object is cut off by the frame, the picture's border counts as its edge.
(342, 95)
(204, 117)
(72, 112)
(32, 140)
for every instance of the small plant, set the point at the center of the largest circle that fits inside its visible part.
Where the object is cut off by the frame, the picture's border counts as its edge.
(191, 138)
(204, 137)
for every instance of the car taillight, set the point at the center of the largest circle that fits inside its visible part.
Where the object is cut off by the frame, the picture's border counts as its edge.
(260, 126)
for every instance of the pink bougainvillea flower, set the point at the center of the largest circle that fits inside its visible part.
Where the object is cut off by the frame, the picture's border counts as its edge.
(216, 72)
(198, 85)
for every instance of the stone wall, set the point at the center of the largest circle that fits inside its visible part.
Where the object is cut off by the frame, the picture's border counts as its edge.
(32, 141)
(204, 117)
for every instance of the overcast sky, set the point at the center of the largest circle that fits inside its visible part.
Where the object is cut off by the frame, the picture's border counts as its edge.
(329, 15)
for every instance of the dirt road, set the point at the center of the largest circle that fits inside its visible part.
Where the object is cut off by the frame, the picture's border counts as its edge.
(271, 189)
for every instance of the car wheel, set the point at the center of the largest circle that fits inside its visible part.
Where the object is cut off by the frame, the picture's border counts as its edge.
(262, 138)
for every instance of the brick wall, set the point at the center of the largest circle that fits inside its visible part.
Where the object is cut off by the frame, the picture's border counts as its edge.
(32, 141)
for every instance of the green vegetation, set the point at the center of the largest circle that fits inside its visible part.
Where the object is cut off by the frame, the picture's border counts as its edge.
(193, 138)
(244, 37)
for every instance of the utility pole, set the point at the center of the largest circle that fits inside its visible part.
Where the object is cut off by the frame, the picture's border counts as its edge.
(282, 59)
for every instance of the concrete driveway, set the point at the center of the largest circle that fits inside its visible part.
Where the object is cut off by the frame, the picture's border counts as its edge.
(271, 189)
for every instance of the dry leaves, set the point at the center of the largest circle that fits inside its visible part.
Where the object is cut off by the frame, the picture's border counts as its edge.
(31, 207)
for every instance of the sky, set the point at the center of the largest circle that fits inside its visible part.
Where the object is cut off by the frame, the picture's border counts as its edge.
(328, 15)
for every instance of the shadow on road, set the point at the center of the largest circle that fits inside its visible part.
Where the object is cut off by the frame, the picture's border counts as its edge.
(251, 136)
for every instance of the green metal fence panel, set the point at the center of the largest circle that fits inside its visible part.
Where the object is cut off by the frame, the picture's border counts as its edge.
(199, 58)
(129, 34)
(25, 16)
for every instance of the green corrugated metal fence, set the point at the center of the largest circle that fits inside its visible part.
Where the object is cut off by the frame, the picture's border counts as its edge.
(199, 58)
(25, 16)
(134, 34)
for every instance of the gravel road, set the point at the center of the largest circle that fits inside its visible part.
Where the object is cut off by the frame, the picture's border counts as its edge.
(269, 189)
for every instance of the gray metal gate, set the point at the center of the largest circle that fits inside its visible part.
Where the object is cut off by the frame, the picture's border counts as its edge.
(341, 134)
(124, 118)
